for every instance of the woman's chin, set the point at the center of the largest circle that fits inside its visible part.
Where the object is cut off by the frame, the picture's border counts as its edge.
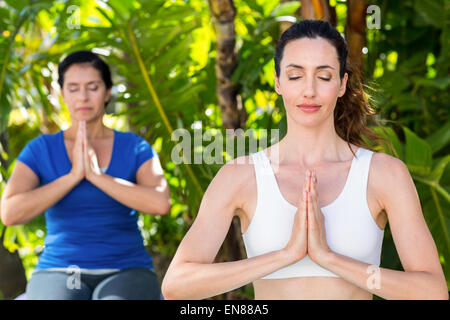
(83, 117)
(306, 122)
(78, 119)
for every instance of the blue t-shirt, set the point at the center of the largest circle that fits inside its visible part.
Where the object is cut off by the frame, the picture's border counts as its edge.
(87, 228)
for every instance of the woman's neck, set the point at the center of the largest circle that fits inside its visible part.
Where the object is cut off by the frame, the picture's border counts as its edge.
(94, 130)
(312, 146)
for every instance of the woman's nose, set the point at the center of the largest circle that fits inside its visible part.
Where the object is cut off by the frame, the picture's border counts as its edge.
(309, 89)
(83, 94)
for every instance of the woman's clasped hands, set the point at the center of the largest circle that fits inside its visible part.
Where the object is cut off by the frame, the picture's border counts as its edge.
(84, 159)
(308, 230)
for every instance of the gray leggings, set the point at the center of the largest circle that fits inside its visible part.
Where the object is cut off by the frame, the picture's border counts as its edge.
(127, 284)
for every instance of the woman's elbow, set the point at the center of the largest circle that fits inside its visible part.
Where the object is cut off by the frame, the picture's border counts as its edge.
(438, 295)
(445, 296)
(169, 290)
(8, 220)
(160, 210)
(438, 291)
(174, 281)
(166, 291)
(5, 219)
(165, 202)
(442, 294)
(165, 208)
(5, 215)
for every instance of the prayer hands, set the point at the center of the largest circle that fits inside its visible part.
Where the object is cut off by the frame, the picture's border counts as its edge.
(308, 231)
(84, 159)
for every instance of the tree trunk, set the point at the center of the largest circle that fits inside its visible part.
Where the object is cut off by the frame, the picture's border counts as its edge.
(355, 30)
(4, 146)
(317, 10)
(284, 25)
(233, 113)
(48, 126)
(312, 10)
(12, 274)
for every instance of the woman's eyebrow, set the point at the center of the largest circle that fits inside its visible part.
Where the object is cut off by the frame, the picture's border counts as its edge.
(293, 65)
(90, 82)
(324, 67)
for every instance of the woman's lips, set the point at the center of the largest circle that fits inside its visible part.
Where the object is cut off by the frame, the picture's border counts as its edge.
(309, 108)
(84, 109)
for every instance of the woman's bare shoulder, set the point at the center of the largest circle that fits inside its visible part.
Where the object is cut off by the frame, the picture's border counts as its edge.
(385, 165)
(387, 174)
(237, 171)
(234, 179)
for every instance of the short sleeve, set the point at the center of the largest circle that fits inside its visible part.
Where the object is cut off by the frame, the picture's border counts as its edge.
(29, 155)
(143, 151)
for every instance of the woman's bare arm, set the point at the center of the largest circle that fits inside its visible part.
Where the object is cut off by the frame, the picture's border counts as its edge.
(423, 277)
(150, 194)
(192, 273)
(23, 199)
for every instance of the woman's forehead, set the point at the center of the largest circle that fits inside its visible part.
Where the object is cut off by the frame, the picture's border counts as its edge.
(309, 53)
(82, 73)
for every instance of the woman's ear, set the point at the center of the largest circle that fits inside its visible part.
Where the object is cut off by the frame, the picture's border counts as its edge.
(343, 85)
(108, 95)
(277, 83)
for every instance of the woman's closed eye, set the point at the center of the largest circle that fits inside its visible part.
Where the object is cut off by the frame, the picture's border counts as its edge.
(90, 88)
(321, 78)
(324, 76)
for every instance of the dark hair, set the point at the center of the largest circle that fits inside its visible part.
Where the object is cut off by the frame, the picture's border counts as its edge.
(82, 57)
(312, 29)
(352, 109)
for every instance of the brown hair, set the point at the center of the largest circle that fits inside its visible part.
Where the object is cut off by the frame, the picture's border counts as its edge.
(353, 111)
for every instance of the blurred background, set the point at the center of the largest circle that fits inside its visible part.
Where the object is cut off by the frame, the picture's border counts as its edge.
(198, 64)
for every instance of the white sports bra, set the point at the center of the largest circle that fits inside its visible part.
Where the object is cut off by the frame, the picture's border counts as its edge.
(350, 227)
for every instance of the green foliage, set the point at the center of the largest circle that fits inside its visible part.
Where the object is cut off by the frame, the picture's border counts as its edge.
(162, 55)
(408, 63)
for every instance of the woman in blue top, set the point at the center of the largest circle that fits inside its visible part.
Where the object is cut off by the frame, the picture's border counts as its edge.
(90, 181)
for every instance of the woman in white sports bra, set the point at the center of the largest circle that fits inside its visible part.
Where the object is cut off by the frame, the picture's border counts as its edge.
(314, 206)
